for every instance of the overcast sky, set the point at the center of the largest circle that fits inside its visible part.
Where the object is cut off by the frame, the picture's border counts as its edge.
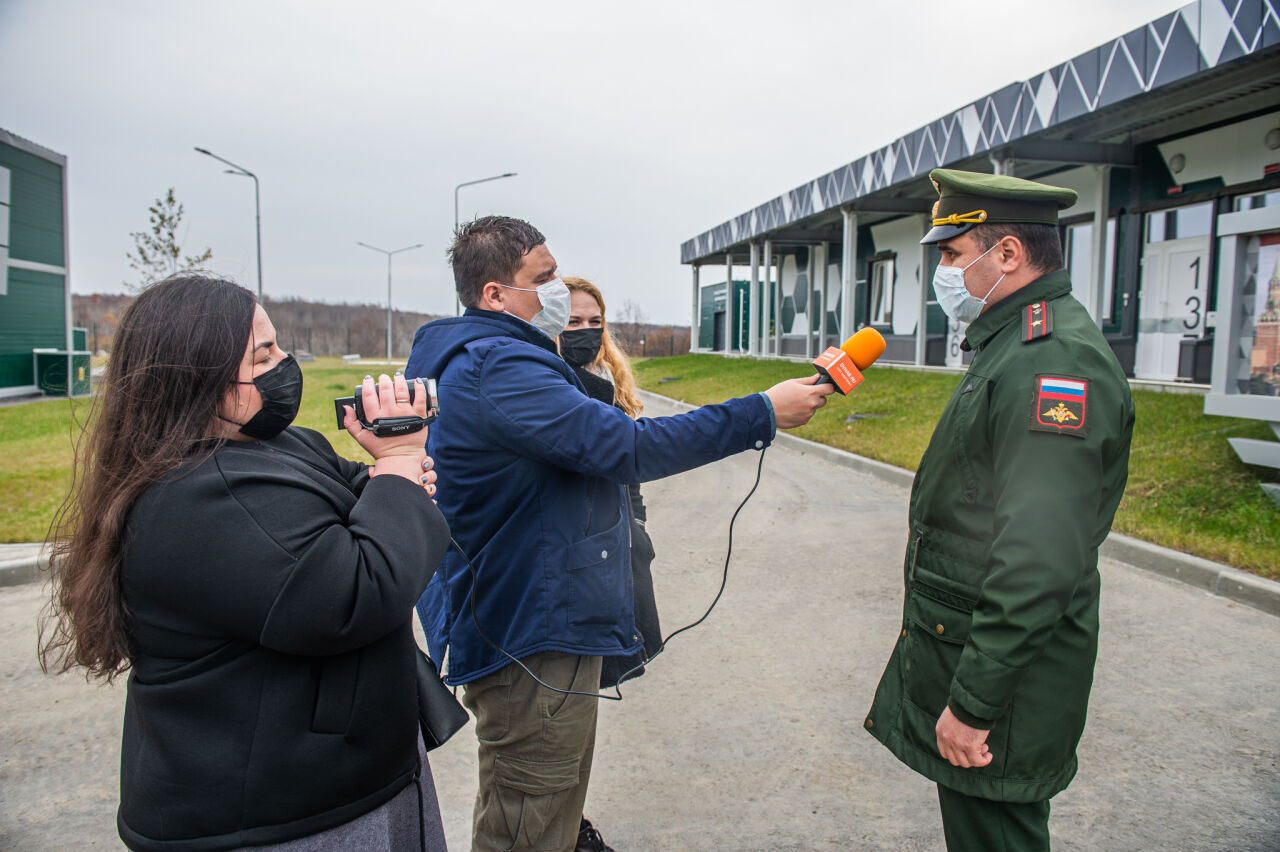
(632, 127)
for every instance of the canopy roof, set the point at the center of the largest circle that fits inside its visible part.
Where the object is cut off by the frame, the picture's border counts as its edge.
(1210, 61)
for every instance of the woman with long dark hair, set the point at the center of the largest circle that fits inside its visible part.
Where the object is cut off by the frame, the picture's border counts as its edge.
(257, 587)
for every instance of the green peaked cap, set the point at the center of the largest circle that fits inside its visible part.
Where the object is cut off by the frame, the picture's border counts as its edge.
(966, 199)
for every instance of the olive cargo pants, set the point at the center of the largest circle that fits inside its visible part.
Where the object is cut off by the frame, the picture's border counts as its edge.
(535, 752)
(971, 824)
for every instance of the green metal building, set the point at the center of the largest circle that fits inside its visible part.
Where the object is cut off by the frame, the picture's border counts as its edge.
(38, 347)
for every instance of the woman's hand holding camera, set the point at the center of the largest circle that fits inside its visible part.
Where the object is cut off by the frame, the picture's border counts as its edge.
(402, 455)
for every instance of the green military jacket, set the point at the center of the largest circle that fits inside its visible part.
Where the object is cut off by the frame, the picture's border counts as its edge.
(1014, 494)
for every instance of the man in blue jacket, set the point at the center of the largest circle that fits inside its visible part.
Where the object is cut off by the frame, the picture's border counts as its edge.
(532, 475)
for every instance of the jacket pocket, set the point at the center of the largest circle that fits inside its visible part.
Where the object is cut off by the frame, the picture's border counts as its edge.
(954, 561)
(335, 693)
(939, 613)
(599, 571)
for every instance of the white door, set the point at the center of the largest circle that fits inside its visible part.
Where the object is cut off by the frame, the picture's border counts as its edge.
(1171, 303)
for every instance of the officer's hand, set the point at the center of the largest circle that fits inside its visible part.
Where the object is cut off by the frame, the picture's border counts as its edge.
(795, 401)
(961, 745)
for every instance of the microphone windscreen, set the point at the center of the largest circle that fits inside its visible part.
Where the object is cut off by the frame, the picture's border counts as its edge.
(864, 347)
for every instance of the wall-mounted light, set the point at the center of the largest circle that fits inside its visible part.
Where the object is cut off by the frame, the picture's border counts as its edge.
(1272, 138)
(1177, 163)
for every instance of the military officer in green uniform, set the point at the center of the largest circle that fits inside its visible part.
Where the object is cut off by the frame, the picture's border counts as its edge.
(987, 687)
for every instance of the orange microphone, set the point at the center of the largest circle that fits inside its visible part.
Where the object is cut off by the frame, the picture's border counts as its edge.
(843, 367)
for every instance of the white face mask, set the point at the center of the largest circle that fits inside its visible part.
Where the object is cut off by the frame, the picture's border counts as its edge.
(555, 301)
(953, 297)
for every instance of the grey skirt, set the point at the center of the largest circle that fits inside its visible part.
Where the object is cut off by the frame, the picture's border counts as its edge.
(409, 821)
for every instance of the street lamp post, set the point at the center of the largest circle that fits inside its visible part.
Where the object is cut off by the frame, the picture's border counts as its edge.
(257, 204)
(388, 254)
(457, 305)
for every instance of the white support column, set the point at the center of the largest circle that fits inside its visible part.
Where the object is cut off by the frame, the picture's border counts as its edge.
(822, 301)
(922, 327)
(695, 322)
(810, 278)
(848, 273)
(730, 303)
(753, 302)
(1098, 265)
(777, 308)
(768, 290)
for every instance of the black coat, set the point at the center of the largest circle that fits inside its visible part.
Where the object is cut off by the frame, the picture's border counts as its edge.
(613, 668)
(272, 695)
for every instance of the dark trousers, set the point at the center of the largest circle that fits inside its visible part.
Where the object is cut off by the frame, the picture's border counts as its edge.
(972, 824)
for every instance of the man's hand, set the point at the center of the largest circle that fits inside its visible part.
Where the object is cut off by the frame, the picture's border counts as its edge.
(961, 745)
(796, 400)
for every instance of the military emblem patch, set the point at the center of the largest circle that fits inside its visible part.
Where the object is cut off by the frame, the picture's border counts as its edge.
(1059, 405)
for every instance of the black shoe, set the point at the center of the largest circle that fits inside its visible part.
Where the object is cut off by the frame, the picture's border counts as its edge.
(589, 840)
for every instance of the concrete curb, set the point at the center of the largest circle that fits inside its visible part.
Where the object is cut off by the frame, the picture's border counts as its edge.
(23, 569)
(1215, 578)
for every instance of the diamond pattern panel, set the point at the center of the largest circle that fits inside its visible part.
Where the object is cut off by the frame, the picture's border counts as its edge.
(1201, 35)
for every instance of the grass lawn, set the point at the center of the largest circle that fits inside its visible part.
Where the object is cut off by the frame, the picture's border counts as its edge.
(37, 440)
(1187, 489)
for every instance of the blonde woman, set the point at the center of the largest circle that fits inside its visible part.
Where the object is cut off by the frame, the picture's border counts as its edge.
(605, 372)
(586, 343)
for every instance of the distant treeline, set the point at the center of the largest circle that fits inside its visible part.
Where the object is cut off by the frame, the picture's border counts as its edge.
(302, 326)
(333, 330)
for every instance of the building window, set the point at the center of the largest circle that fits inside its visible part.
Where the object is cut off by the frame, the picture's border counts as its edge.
(1257, 202)
(1180, 222)
(881, 275)
(1080, 263)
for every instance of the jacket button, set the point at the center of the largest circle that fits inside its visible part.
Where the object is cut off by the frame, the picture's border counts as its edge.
(940, 629)
(870, 724)
(759, 444)
(604, 554)
(635, 637)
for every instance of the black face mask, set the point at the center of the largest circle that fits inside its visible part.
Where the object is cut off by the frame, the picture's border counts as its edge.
(281, 392)
(580, 346)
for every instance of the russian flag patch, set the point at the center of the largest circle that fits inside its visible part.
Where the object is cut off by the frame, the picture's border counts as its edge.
(1060, 405)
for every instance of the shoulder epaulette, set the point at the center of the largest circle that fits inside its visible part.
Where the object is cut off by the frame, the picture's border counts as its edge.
(1037, 321)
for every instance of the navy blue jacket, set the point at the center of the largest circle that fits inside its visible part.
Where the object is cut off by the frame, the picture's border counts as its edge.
(532, 475)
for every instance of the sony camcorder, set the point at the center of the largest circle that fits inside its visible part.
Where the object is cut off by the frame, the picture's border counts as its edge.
(384, 427)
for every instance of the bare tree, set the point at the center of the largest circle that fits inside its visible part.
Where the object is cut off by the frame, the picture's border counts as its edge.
(628, 327)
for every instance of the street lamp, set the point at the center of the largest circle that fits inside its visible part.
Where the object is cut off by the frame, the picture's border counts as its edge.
(457, 305)
(257, 205)
(388, 254)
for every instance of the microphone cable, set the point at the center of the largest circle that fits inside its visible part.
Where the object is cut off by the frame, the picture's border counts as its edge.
(617, 687)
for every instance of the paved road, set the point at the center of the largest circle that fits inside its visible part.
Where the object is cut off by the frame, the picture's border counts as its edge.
(747, 733)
